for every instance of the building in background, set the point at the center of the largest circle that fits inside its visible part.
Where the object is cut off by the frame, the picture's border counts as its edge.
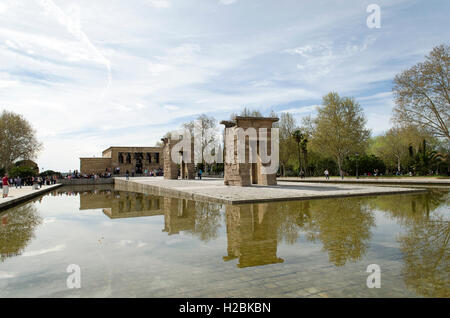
(117, 160)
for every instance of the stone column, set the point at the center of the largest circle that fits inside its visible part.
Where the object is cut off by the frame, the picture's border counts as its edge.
(170, 167)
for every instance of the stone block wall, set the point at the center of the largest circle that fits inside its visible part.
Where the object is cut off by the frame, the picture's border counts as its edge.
(170, 167)
(247, 173)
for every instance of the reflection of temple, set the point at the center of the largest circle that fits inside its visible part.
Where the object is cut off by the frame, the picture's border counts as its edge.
(179, 215)
(118, 204)
(252, 235)
(251, 229)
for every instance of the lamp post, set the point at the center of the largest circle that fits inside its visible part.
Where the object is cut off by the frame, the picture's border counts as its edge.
(357, 176)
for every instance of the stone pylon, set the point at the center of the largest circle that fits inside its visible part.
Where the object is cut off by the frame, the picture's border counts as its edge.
(250, 171)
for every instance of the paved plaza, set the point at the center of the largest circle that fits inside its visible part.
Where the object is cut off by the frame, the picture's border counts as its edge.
(214, 190)
(23, 194)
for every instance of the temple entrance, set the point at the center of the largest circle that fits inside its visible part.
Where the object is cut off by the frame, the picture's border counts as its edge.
(138, 166)
(254, 174)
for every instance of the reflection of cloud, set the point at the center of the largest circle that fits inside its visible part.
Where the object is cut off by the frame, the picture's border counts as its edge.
(49, 220)
(4, 275)
(45, 251)
(131, 243)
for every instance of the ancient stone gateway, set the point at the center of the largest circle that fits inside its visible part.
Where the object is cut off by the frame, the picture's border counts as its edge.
(187, 169)
(238, 173)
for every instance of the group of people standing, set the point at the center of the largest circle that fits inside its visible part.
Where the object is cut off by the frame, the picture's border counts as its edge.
(18, 182)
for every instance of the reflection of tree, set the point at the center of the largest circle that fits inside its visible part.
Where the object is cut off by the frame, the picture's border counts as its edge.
(411, 208)
(207, 220)
(201, 219)
(17, 229)
(426, 255)
(292, 217)
(343, 227)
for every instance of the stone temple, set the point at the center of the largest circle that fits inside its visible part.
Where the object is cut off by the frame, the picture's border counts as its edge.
(187, 169)
(247, 173)
(117, 160)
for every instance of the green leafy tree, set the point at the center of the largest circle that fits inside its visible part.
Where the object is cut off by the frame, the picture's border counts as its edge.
(23, 172)
(17, 139)
(339, 128)
(302, 147)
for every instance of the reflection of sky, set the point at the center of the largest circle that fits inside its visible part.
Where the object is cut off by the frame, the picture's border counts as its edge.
(134, 257)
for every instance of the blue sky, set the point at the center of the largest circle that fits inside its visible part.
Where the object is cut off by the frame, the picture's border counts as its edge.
(92, 74)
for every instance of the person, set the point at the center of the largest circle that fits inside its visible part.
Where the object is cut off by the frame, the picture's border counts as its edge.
(5, 184)
(19, 182)
(200, 174)
(327, 174)
(301, 174)
(127, 175)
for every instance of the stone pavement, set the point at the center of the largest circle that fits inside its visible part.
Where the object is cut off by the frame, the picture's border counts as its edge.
(17, 196)
(213, 190)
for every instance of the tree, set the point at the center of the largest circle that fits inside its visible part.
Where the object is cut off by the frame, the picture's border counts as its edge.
(302, 141)
(246, 112)
(17, 139)
(22, 172)
(424, 160)
(365, 163)
(208, 128)
(287, 126)
(392, 147)
(422, 93)
(340, 128)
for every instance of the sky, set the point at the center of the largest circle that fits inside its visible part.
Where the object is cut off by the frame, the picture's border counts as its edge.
(92, 74)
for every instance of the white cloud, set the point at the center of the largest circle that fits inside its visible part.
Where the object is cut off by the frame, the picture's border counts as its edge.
(301, 110)
(227, 2)
(160, 3)
(171, 107)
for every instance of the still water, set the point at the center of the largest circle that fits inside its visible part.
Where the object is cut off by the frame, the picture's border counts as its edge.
(134, 245)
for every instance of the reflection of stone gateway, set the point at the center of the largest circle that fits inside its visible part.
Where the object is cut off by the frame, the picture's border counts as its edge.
(252, 235)
(247, 173)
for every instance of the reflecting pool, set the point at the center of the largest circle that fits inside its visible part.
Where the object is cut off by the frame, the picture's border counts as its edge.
(135, 245)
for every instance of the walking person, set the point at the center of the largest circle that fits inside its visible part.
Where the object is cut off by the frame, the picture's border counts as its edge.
(19, 182)
(5, 184)
(127, 175)
(200, 172)
(301, 174)
(327, 174)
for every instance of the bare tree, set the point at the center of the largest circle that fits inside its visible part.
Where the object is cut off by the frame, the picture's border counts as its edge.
(422, 93)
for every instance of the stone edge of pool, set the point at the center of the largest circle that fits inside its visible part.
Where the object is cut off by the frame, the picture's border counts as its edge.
(9, 203)
(157, 188)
